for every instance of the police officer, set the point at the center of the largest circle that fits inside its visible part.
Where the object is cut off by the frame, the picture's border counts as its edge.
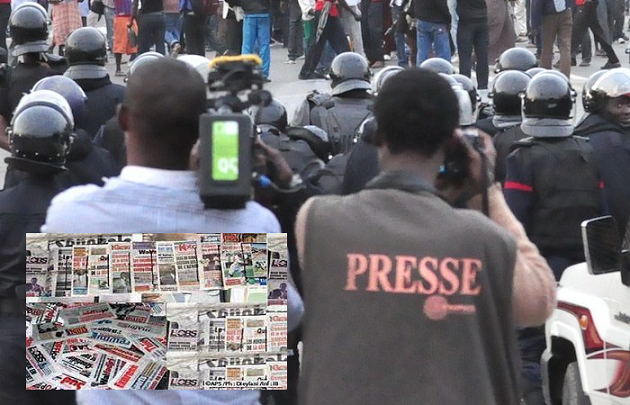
(86, 52)
(341, 112)
(550, 202)
(608, 128)
(271, 121)
(86, 163)
(551, 186)
(28, 25)
(506, 101)
(40, 140)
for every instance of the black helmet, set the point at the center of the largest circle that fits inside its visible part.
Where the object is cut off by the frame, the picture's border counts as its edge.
(588, 101)
(614, 83)
(349, 71)
(516, 59)
(535, 70)
(547, 106)
(40, 131)
(316, 138)
(86, 52)
(28, 27)
(438, 65)
(68, 89)
(275, 114)
(506, 92)
(469, 87)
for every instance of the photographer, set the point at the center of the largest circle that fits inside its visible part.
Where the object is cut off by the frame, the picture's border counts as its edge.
(410, 280)
(156, 192)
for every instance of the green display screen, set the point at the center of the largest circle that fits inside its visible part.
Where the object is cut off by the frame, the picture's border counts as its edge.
(225, 150)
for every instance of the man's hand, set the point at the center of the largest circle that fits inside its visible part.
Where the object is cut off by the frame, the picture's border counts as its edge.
(283, 171)
(477, 179)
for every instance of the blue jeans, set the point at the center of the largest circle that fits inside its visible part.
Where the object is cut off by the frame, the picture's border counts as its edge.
(429, 33)
(397, 12)
(109, 25)
(173, 28)
(258, 27)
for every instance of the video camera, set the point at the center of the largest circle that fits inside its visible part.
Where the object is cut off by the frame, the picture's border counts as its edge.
(227, 134)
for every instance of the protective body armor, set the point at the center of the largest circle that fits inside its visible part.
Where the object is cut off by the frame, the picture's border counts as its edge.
(297, 153)
(340, 117)
(503, 142)
(330, 178)
(567, 190)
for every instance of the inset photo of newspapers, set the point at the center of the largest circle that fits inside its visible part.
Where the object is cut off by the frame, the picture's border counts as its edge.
(156, 311)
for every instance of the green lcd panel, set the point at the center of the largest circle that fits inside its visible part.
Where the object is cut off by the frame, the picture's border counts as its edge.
(225, 150)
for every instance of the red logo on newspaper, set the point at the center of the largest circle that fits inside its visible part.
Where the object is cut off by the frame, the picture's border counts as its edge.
(437, 278)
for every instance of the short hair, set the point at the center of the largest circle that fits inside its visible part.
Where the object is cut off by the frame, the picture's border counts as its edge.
(167, 97)
(416, 110)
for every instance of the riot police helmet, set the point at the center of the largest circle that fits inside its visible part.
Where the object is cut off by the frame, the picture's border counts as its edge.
(506, 92)
(449, 78)
(274, 114)
(614, 83)
(588, 101)
(516, 59)
(86, 53)
(466, 113)
(382, 76)
(535, 70)
(141, 60)
(438, 65)
(547, 106)
(468, 86)
(28, 27)
(40, 133)
(316, 138)
(349, 71)
(200, 63)
(68, 89)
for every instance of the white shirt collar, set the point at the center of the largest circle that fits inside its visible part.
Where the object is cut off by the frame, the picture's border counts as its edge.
(174, 179)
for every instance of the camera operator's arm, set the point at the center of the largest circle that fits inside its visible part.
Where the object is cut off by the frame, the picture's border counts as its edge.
(533, 286)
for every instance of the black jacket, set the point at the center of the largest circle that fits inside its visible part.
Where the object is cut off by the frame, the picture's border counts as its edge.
(22, 209)
(435, 11)
(252, 6)
(611, 145)
(472, 9)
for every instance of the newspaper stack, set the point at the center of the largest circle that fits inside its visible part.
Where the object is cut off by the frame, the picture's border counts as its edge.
(86, 345)
(226, 346)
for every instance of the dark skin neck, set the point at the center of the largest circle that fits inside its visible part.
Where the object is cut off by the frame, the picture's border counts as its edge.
(142, 154)
(427, 167)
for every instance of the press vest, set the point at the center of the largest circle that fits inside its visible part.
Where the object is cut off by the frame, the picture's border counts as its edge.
(407, 301)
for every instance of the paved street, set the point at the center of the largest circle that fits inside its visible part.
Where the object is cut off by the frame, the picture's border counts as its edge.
(289, 90)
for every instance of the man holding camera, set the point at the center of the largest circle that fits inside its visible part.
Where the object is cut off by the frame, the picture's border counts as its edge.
(156, 192)
(410, 280)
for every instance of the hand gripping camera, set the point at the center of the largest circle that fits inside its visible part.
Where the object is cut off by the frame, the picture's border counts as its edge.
(227, 134)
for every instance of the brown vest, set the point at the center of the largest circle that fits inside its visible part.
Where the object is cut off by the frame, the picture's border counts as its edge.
(408, 301)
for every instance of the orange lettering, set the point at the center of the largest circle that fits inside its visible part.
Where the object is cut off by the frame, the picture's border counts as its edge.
(427, 269)
(357, 264)
(469, 277)
(380, 267)
(447, 271)
(403, 274)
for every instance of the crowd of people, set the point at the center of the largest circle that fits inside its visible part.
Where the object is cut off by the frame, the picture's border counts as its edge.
(427, 229)
(473, 33)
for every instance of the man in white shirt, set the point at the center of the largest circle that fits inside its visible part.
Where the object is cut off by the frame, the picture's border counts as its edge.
(156, 193)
